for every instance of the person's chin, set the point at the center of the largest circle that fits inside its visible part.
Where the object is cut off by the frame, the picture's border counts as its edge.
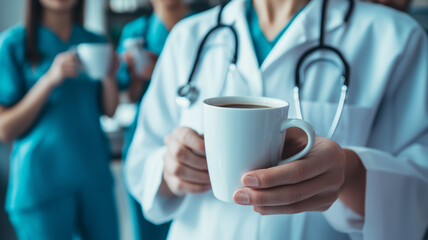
(170, 4)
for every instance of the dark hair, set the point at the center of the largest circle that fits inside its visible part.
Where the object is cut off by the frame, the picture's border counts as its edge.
(33, 17)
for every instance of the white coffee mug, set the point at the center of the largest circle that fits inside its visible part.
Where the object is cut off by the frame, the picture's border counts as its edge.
(243, 134)
(141, 57)
(95, 59)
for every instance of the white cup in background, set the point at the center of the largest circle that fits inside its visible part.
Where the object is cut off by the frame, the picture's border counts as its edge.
(239, 139)
(141, 57)
(95, 59)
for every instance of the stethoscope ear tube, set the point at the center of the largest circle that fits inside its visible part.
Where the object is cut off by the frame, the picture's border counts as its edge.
(305, 55)
(337, 115)
(344, 88)
(345, 74)
(188, 93)
(339, 111)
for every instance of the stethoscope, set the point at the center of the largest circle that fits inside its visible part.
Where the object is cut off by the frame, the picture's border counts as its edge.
(189, 93)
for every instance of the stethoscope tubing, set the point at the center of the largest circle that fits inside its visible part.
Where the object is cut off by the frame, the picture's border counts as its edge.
(189, 93)
(205, 39)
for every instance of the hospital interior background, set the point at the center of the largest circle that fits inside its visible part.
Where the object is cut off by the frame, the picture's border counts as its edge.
(108, 17)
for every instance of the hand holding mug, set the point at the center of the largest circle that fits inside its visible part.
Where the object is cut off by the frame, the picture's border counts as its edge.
(65, 65)
(140, 61)
(95, 59)
(135, 90)
(311, 184)
(146, 71)
(185, 166)
(243, 134)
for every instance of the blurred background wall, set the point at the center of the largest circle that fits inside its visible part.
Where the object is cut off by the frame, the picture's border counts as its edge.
(11, 12)
(419, 10)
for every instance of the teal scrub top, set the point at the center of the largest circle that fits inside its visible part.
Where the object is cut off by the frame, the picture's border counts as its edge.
(65, 150)
(262, 45)
(154, 32)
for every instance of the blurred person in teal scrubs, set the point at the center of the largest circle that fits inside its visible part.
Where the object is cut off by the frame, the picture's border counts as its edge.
(60, 184)
(153, 30)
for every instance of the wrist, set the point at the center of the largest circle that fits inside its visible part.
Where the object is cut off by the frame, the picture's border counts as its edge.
(109, 83)
(353, 190)
(110, 79)
(48, 81)
(354, 168)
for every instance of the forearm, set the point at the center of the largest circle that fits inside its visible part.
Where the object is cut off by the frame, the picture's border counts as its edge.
(14, 121)
(353, 191)
(110, 97)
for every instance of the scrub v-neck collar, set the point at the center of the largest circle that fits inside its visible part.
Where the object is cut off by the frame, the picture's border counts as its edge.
(262, 45)
(45, 30)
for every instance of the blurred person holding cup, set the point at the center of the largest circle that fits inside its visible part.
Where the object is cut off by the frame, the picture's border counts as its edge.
(57, 79)
(141, 43)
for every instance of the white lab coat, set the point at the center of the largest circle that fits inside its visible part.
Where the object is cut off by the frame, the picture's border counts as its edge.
(385, 121)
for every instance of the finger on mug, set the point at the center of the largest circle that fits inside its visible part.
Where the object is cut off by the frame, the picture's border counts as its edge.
(182, 186)
(318, 203)
(287, 173)
(288, 194)
(185, 172)
(190, 138)
(184, 155)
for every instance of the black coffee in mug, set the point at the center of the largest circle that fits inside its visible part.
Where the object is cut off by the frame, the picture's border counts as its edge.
(243, 105)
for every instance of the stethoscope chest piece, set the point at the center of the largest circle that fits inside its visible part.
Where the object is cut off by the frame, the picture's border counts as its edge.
(187, 95)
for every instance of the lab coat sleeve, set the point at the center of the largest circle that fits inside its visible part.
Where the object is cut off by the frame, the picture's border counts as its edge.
(159, 116)
(11, 82)
(396, 157)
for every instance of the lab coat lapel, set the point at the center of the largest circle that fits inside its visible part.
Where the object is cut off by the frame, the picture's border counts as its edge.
(247, 64)
(306, 27)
